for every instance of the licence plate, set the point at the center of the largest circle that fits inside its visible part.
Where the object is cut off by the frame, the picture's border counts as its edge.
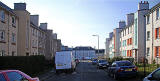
(128, 69)
(59, 65)
(104, 66)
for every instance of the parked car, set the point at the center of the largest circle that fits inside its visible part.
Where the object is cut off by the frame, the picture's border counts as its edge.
(94, 61)
(15, 75)
(154, 76)
(102, 64)
(121, 69)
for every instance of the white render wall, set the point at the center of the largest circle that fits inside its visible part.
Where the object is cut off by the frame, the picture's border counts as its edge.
(154, 23)
(127, 35)
(107, 48)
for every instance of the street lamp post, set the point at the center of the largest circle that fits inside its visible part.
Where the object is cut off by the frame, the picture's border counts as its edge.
(98, 43)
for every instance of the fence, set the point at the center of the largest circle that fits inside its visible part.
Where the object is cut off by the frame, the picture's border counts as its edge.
(145, 69)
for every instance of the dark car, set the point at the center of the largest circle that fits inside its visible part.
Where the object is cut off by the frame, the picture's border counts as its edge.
(102, 64)
(94, 61)
(154, 76)
(121, 69)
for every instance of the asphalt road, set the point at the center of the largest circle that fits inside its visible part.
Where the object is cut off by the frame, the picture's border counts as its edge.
(85, 71)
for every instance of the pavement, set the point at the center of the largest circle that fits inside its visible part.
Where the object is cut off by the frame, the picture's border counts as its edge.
(85, 71)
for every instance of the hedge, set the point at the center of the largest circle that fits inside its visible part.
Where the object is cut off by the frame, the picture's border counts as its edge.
(30, 65)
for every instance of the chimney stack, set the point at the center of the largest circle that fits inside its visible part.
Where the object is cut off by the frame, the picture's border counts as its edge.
(19, 6)
(43, 26)
(122, 24)
(34, 19)
(143, 5)
(130, 19)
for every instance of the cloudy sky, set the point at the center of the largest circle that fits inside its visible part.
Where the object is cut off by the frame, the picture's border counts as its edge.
(75, 21)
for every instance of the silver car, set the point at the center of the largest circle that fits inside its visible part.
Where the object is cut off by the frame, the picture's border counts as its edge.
(154, 76)
(102, 64)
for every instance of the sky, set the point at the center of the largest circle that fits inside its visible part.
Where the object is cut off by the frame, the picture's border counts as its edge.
(75, 21)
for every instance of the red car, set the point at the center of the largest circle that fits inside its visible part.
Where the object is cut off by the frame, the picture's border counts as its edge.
(15, 75)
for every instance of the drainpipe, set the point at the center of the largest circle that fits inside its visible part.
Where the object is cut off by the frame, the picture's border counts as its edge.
(8, 33)
(152, 36)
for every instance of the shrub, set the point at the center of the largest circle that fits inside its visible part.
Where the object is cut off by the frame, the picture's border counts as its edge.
(29, 64)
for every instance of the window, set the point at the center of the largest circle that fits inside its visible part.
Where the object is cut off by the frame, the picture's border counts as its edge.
(13, 21)
(157, 51)
(128, 30)
(148, 35)
(2, 15)
(14, 76)
(2, 53)
(131, 30)
(148, 19)
(148, 49)
(157, 33)
(157, 13)
(33, 32)
(27, 54)
(2, 35)
(135, 31)
(2, 77)
(32, 43)
(123, 33)
(13, 38)
(13, 53)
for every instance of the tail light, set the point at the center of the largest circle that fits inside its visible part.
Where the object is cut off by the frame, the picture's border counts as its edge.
(135, 68)
(120, 70)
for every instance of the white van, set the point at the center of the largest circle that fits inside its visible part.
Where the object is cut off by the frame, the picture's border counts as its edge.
(64, 60)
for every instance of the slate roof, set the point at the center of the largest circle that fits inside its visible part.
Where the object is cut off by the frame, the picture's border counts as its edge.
(153, 8)
(6, 8)
(83, 48)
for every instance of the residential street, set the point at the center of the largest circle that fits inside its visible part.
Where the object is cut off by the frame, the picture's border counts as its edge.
(85, 71)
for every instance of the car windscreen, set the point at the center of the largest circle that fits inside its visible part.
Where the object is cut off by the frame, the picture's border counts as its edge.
(125, 64)
(95, 60)
(102, 61)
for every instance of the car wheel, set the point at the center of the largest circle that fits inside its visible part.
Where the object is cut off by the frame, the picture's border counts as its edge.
(57, 72)
(109, 74)
(115, 77)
